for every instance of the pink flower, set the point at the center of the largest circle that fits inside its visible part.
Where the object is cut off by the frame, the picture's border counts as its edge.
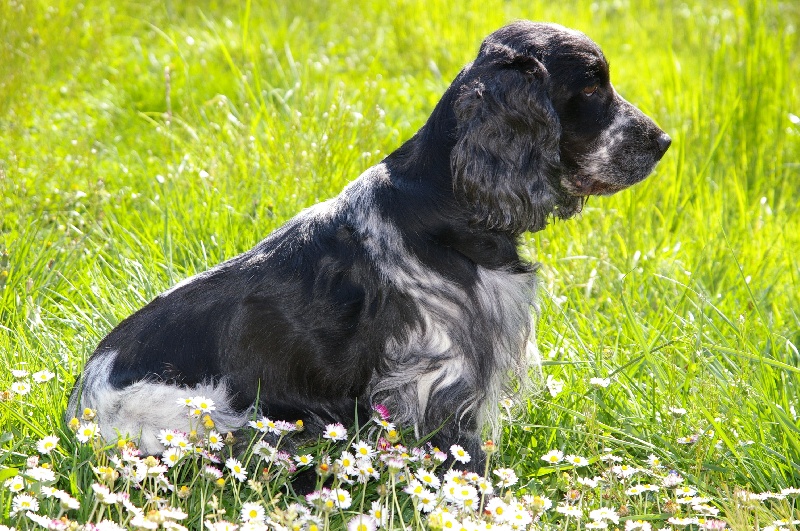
(381, 410)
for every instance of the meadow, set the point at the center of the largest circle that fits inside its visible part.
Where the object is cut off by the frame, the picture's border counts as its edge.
(142, 142)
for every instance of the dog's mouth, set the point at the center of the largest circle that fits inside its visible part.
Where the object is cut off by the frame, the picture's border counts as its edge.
(585, 186)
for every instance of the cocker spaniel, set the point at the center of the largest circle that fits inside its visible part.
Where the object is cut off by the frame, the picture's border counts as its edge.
(407, 289)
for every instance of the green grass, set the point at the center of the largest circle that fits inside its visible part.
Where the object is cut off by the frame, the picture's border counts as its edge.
(141, 142)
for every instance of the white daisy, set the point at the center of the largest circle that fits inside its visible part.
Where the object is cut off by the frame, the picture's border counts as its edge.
(47, 444)
(428, 478)
(204, 404)
(20, 388)
(576, 460)
(459, 454)
(553, 457)
(42, 376)
(341, 498)
(363, 450)
(252, 512)
(362, 522)
(87, 432)
(507, 477)
(335, 432)
(236, 468)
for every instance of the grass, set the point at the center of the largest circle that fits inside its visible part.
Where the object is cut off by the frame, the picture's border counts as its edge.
(141, 142)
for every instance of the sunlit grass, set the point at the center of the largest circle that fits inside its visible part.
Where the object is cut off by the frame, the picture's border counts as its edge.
(143, 142)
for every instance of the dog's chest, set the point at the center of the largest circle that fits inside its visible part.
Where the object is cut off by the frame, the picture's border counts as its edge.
(465, 343)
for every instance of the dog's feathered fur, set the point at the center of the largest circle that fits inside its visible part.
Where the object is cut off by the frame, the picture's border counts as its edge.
(405, 290)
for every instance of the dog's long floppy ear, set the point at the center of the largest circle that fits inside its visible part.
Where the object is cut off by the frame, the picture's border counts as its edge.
(506, 160)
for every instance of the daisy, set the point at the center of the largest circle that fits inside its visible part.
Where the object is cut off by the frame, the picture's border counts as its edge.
(47, 444)
(187, 402)
(569, 510)
(20, 388)
(654, 461)
(588, 482)
(43, 521)
(283, 426)
(439, 456)
(214, 440)
(169, 437)
(672, 479)
(42, 376)
(235, 466)
(539, 504)
(596, 524)
(304, 460)
(378, 512)
(363, 450)
(341, 498)
(604, 513)
(720, 525)
(553, 456)
(554, 386)
(684, 491)
(67, 501)
(221, 525)
(263, 424)
(87, 432)
(106, 525)
(507, 477)
(428, 478)
(365, 471)
(264, 450)
(104, 494)
(19, 373)
(348, 463)
(682, 521)
(576, 460)
(484, 486)
(41, 474)
(171, 456)
(362, 522)
(252, 512)
(634, 490)
(462, 495)
(459, 454)
(520, 518)
(385, 424)
(600, 382)
(209, 472)
(15, 484)
(204, 404)
(335, 432)
(414, 488)
(381, 410)
(624, 471)
(705, 509)
(426, 501)
(498, 509)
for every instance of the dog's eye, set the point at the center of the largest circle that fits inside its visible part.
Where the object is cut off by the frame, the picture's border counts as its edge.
(591, 89)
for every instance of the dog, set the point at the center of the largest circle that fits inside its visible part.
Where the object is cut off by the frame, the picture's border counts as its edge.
(406, 290)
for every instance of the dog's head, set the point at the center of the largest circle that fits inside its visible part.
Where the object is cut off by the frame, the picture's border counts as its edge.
(540, 128)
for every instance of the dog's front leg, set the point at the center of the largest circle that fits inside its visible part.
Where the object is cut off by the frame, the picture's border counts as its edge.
(452, 427)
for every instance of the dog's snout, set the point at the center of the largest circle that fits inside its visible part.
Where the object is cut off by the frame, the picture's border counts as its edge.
(663, 141)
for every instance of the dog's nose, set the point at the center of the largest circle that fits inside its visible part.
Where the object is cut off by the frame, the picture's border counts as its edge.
(663, 141)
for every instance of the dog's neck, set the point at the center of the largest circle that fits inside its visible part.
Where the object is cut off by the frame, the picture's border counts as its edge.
(420, 190)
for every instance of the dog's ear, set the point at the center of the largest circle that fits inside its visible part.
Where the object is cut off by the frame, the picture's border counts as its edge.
(506, 163)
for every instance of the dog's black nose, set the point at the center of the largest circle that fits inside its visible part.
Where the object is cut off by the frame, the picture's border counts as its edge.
(663, 141)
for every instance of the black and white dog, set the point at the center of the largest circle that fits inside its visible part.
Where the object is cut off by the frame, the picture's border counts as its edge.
(406, 290)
